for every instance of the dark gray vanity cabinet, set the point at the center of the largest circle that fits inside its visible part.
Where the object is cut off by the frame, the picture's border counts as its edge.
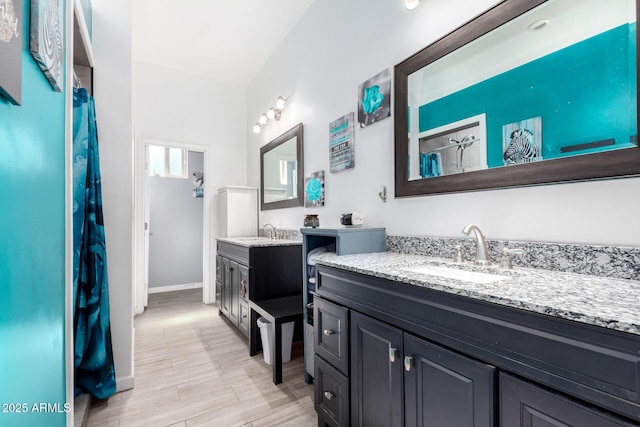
(421, 357)
(255, 272)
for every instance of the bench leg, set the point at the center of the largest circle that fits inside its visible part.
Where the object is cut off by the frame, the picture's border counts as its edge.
(277, 351)
(253, 332)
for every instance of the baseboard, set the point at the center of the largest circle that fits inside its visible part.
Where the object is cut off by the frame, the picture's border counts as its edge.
(171, 288)
(124, 383)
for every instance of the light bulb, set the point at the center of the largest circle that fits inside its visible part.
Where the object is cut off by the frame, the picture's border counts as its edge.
(280, 102)
(257, 128)
(271, 113)
(263, 119)
(411, 4)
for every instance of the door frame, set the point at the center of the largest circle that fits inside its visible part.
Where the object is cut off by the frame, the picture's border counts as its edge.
(141, 200)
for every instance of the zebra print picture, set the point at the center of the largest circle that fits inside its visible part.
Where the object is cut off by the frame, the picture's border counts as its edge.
(45, 41)
(522, 141)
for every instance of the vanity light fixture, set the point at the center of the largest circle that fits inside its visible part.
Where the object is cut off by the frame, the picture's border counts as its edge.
(273, 113)
(411, 4)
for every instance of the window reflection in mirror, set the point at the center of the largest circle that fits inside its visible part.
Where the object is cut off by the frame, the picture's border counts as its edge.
(557, 81)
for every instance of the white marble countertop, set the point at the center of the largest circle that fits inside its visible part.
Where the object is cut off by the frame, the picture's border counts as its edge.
(251, 242)
(600, 301)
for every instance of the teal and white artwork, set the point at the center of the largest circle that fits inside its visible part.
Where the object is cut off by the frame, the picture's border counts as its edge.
(46, 38)
(314, 190)
(374, 99)
(522, 141)
(342, 153)
(10, 50)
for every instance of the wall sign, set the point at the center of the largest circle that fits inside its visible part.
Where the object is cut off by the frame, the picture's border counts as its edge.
(342, 153)
(10, 50)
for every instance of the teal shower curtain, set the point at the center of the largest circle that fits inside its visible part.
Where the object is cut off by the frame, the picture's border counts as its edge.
(94, 369)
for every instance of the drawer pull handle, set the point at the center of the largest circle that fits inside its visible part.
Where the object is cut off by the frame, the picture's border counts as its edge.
(243, 282)
(392, 354)
(328, 395)
(328, 332)
(407, 363)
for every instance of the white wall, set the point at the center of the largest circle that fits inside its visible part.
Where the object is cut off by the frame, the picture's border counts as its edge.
(112, 91)
(174, 106)
(175, 219)
(338, 45)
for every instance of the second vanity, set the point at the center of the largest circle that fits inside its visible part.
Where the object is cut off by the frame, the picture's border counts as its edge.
(410, 340)
(255, 268)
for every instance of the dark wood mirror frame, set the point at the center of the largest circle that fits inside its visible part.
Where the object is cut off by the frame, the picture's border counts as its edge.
(608, 164)
(296, 131)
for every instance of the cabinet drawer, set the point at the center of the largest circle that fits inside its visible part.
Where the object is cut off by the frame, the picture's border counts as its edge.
(525, 404)
(331, 394)
(331, 333)
(243, 318)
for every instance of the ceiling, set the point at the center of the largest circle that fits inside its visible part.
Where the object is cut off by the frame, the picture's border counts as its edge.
(225, 40)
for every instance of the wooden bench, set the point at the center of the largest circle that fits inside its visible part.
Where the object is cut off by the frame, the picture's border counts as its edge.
(277, 311)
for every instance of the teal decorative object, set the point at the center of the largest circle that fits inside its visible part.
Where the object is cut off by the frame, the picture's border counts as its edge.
(314, 190)
(372, 99)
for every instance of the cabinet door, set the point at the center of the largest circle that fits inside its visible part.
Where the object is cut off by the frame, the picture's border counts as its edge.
(446, 389)
(243, 317)
(376, 373)
(527, 405)
(225, 290)
(234, 288)
(243, 275)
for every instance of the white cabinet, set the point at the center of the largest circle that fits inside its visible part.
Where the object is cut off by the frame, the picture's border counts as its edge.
(237, 212)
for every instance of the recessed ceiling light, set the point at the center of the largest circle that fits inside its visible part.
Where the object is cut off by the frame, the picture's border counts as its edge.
(538, 25)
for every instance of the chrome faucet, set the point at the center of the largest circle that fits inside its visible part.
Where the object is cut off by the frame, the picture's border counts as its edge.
(274, 232)
(482, 252)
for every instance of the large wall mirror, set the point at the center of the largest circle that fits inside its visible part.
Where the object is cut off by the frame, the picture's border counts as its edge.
(282, 171)
(530, 92)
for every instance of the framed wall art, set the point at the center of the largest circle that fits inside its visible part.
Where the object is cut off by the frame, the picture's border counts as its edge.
(46, 36)
(341, 143)
(10, 50)
(374, 99)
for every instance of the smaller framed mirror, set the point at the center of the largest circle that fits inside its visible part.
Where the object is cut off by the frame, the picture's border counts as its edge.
(282, 171)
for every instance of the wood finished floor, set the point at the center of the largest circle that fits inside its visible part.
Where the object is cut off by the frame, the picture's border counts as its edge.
(192, 368)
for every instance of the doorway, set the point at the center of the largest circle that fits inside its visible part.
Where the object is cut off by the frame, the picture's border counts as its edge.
(142, 210)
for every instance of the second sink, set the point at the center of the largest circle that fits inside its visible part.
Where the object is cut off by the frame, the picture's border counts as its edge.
(454, 273)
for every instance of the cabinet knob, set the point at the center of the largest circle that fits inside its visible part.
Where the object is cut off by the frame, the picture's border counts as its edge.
(328, 332)
(392, 354)
(328, 395)
(407, 363)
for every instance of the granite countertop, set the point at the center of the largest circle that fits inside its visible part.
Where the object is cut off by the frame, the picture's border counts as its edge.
(251, 242)
(600, 301)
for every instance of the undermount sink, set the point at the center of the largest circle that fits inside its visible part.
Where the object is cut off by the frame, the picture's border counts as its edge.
(454, 273)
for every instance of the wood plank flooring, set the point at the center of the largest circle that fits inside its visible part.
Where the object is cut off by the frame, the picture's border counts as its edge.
(192, 368)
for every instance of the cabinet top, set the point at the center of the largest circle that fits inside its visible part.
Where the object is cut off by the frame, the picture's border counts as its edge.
(339, 231)
(600, 301)
(252, 242)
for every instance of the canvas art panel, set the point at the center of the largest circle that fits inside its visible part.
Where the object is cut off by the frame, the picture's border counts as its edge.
(46, 36)
(198, 184)
(522, 141)
(10, 50)
(374, 99)
(314, 190)
(342, 153)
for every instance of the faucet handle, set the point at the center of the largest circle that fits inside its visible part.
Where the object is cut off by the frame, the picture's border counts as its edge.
(506, 262)
(458, 257)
